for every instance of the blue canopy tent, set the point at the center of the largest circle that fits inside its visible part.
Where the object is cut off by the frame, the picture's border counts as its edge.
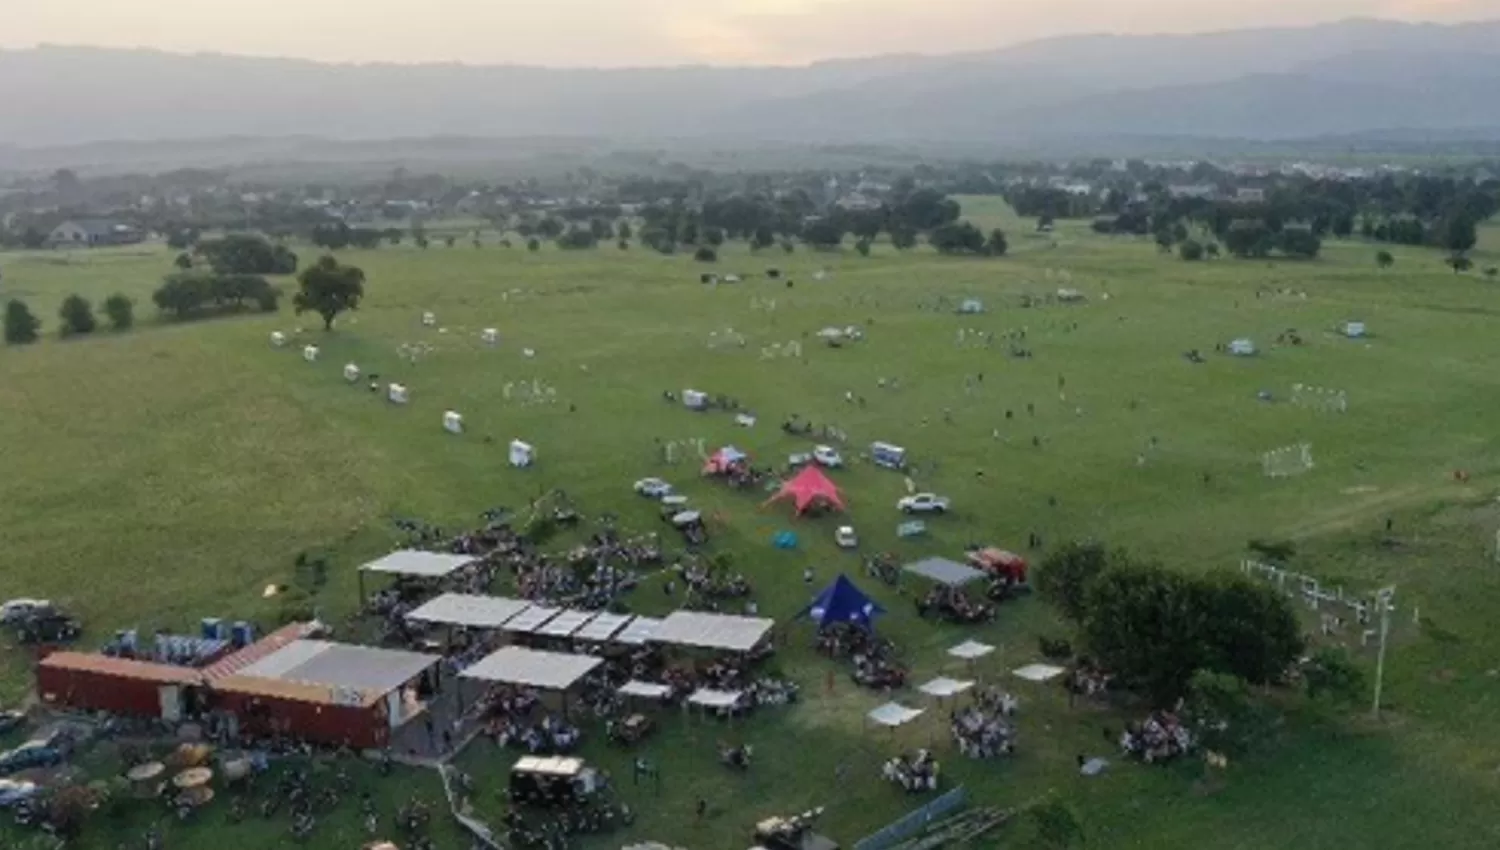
(843, 602)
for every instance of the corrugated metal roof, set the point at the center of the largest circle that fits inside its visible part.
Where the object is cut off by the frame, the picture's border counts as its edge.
(259, 686)
(271, 643)
(125, 668)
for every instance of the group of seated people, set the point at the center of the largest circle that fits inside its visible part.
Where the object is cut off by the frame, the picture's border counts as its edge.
(953, 605)
(1161, 738)
(551, 736)
(1086, 679)
(873, 658)
(917, 773)
(984, 730)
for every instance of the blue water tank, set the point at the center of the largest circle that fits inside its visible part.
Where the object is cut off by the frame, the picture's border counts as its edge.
(242, 634)
(212, 628)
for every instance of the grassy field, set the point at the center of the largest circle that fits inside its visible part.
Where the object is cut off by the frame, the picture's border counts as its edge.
(170, 473)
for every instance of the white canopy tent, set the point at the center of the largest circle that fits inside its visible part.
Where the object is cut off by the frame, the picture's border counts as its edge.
(531, 619)
(639, 631)
(566, 623)
(944, 687)
(647, 690)
(415, 563)
(1038, 672)
(894, 714)
(470, 611)
(971, 650)
(712, 631)
(719, 700)
(603, 627)
(517, 665)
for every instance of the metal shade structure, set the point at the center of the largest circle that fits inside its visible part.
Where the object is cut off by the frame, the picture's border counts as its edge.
(533, 668)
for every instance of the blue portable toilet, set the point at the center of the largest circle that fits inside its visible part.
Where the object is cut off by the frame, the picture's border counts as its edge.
(241, 634)
(211, 628)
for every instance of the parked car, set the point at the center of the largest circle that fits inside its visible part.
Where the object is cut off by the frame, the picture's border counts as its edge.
(29, 755)
(923, 503)
(827, 456)
(846, 538)
(16, 610)
(653, 488)
(16, 791)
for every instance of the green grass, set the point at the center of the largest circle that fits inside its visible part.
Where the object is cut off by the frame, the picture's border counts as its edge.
(171, 472)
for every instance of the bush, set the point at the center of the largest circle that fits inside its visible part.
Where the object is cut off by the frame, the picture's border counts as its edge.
(120, 310)
(21, 326)
(624, 245)
(705, 254)
(1064, 575)
(959, 237)
(577, 239)
(533, 244)
(1384, 259)
(1331, 673)
(788, 246)
(77, 316)
(1190, 250)
(863, 247)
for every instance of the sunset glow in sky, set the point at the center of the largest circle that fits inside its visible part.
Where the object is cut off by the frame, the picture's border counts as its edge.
(650, 32)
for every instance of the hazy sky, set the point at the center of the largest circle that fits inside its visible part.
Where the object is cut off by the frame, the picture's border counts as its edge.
(654, 32)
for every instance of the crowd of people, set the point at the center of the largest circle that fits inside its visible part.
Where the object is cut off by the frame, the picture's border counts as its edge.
(953, 605)
(1161, 738)
(917, 772)
(984, 730)
(874, 658)
(1087, 679)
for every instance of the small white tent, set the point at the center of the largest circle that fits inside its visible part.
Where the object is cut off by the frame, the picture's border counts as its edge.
(310, 353)
(1242, 348)
(396, 393)
(521, 454)
(489, 336)
(351, 372)
(453, 423)
(278, 339)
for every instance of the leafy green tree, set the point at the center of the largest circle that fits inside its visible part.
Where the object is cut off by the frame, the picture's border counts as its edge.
(1224, 713)
(1384, 259)
(21, 326)
(863, 247)
(550, 227)
(1459, 234)
(1063, 577)
(533, 244)
(623, 244)
(624, 229)
(1333, 674)
(329, 288)
(1190, 250)
(1299, 242)
(1211, 250)
(957, 238)
(1054, 826)
(787, 246)
(578, 239)
(243, 253)
(77, 316)
(903, 238)
(120, 310)
(996, 246)
(925, 210)
(601, 229)
(824, 234)
(182, 240)
(712, 236)
(1248, 238)
(184, 261)
(763, 237)
(705, 254)
(1459, 263)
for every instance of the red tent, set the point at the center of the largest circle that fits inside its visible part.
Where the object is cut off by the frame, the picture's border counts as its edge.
(809, 486)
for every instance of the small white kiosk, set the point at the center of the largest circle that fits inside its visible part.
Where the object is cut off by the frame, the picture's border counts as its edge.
(351, 372)
(694, 400)
(453, 423)
(522, 454)
(489, 336)
(396, 393)
(278, 339)
(428, 320)
(310, 353)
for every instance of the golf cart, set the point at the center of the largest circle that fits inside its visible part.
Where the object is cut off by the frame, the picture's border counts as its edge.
(827, 457)
(46, 624)
(793, 833)
(999, 563)
(688, 523)
(554, 782)
(845, 538)
(653, 488)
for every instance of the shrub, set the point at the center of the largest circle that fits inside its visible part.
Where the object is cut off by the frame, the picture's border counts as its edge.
(77, 316)
(21, 326)
(705, 254)
(533, 244)
(120, 310)
(1191, 250)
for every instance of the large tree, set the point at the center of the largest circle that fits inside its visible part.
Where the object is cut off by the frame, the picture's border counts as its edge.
(121, 311)
(77, 316)
(959, 237)
(241, 253)
(329, 288)
(1064, 575)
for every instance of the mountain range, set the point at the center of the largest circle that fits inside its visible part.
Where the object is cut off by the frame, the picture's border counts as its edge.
(1346, 78)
